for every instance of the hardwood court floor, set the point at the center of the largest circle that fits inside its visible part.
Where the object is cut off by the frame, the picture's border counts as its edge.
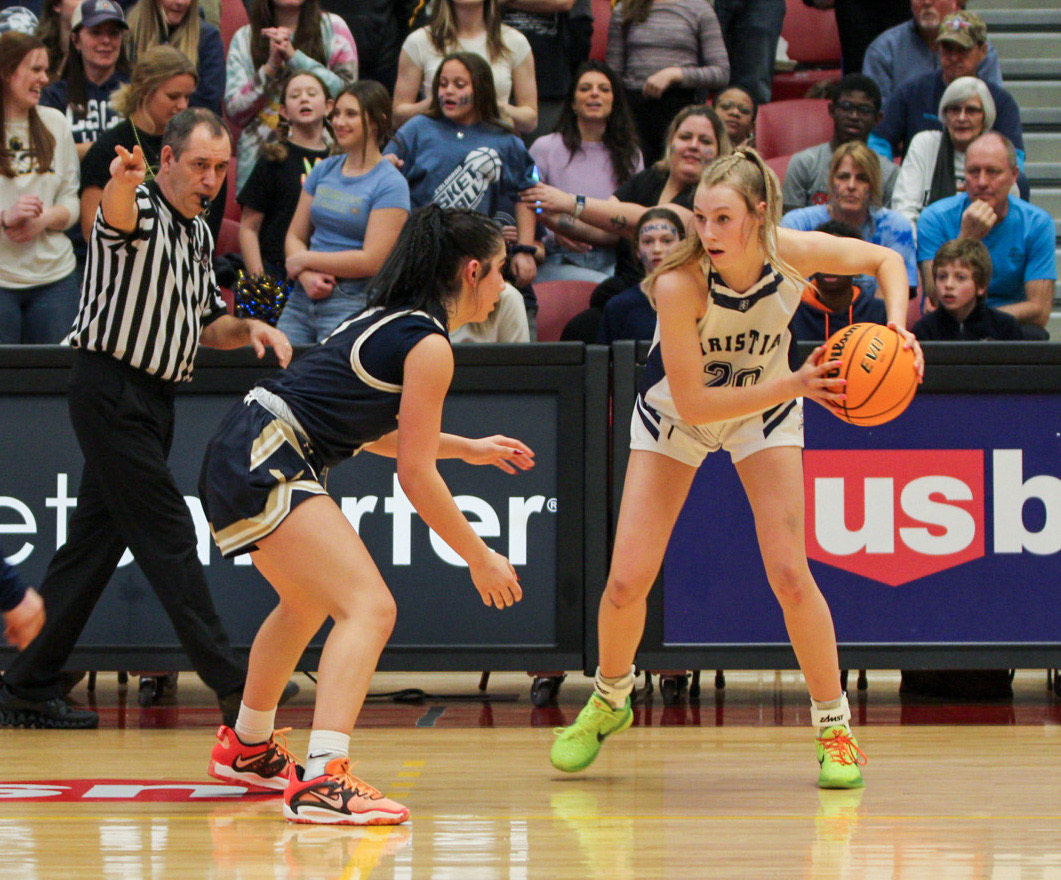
(725, 791)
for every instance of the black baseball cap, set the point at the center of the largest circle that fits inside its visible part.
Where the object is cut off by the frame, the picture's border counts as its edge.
(93, 12)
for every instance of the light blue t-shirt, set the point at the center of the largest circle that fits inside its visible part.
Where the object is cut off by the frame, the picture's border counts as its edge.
(885, 227)
(1021, 246)
(342, 203)
(479, 166)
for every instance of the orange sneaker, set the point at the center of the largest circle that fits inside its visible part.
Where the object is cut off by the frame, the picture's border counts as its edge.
(337, 798)
(264, 765)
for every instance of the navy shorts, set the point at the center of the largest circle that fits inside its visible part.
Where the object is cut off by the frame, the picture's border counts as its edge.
(257, 469)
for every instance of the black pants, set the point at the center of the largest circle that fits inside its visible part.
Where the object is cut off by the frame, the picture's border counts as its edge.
(653, 116)
(123, 419)
(860, 22)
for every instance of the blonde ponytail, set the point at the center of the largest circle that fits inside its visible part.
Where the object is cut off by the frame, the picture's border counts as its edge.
(745, 172)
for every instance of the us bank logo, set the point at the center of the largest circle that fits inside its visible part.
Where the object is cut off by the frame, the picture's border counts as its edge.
(894, 516)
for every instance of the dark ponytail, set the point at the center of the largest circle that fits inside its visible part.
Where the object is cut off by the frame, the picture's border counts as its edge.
(422, 268)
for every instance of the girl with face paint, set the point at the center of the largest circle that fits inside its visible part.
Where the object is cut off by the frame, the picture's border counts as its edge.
(629, 315)
(462, 154)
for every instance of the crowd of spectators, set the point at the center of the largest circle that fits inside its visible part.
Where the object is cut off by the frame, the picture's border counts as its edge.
(494, 105)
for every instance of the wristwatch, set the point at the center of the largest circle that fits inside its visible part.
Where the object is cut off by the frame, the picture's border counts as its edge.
(580, 206)
(524, 249)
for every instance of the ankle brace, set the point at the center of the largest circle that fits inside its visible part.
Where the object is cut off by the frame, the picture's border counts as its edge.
(614, 690)
(831, 713)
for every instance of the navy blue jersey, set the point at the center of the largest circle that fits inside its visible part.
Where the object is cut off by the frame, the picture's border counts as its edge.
(346, 391)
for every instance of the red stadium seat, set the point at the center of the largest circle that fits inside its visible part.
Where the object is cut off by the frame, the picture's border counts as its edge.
(233, 17)
(786, 127)
(228, 237)
(232, 207)
(558, 303)
(602, 14)
(227, 243)
(780, 165)
(814, 44)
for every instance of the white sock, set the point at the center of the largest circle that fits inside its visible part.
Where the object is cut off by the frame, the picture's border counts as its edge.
(830, 713)
(614, 690)
(254, 726)
(325, 746)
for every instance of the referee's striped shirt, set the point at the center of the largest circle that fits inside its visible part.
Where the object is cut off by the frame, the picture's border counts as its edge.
(147, 294)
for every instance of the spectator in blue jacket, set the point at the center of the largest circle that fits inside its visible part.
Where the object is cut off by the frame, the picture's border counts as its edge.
(909, 49)
(913, 107)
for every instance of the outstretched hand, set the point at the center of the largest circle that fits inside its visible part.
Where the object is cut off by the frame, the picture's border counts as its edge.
(496, 580)
(263, 336)
(548, 198)
(502, 452)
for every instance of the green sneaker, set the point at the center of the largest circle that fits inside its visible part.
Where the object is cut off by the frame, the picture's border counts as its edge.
(840, 758)
(575, 747)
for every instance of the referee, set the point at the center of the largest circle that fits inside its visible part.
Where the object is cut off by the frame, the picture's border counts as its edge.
(148, 299)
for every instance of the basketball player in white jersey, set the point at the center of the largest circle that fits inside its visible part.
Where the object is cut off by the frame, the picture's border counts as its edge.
(717, 377)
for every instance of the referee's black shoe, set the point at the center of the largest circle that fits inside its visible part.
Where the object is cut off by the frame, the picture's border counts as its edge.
(229, 703)
(52, 713)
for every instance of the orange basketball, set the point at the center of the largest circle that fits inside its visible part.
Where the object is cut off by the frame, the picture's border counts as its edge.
(880, 375)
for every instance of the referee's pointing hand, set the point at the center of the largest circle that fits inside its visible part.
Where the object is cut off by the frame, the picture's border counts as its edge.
(128, 168)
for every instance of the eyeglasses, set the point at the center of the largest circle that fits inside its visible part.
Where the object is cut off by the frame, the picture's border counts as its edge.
(969, 110)
(851, 107)
(725, 106)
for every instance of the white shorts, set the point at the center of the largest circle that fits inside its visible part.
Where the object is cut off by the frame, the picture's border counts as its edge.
(779, 426)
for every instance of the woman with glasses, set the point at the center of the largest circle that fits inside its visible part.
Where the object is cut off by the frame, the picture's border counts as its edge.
(934, 165)
(737, 110)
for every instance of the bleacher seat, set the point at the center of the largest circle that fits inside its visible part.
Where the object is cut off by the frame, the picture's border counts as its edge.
(602, 14)
(228, 237)
(786, 127)
(233, 17)
(780, 165)
(558, 303)
(814, 44)
(227, 243)
(232, 207)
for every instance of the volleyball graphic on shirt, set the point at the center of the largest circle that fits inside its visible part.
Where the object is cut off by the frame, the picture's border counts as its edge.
(467, 184)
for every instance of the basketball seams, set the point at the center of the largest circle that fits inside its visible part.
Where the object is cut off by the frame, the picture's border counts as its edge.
(886, 374)
(882, 417)
(880, 380)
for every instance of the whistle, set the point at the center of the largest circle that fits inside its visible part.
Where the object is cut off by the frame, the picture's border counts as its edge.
(204, 202)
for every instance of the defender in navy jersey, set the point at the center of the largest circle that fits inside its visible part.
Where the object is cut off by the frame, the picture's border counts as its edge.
(377, 383)
(717, 377)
